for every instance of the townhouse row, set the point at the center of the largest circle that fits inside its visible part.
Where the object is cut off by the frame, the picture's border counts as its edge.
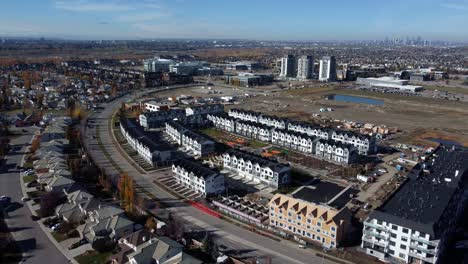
(256, 168)
(193, 115)
(148, 144)
(196, 144)
(335, 151)
(364, 144)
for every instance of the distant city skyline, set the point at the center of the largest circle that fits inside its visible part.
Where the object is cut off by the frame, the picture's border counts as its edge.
(256, 20)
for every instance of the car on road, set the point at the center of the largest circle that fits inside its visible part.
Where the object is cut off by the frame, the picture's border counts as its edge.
(5, 200)
(25, 199)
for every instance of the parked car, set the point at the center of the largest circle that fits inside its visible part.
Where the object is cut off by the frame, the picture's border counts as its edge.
(25, 199)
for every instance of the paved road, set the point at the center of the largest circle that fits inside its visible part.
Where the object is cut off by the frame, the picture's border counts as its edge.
(228, 234)
(34, 243)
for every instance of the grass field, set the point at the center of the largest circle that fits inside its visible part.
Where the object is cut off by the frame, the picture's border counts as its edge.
(93, 257)
(29, 178)
(59, 236)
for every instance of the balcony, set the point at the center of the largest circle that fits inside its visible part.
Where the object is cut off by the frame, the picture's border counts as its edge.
(414, 255)
(422, 240)
(373, 241)
(375, 234)
(375, 226)
(425, 250)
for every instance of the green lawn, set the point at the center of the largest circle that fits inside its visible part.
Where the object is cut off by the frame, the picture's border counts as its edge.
(29, 178)
(257, 144)
(59, 236)
(211, 132)
(93, 257)
(27, 165)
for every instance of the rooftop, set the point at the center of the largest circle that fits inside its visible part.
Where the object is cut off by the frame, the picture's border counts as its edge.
(327, 193)
(423, 198)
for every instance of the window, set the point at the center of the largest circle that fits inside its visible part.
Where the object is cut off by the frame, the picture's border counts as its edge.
(405, 230)
(289, 214)
(392, 243)
(404, 239)
(379, 222)
(319, 224)
(299, 217)
(401, 255)
(333, 235)
(391, 252)
(392, 235)
(394, 227)
(333, 229)
(402, 246)
(318, 238)
(318, 230)
(332, 243)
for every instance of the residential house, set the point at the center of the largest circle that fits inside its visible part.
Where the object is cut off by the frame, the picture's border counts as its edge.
(197, 177)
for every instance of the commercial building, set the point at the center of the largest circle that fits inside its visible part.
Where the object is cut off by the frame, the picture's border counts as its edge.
(305, 67)
(313, 214)
(244, 66)
(412, 225)
(389, 83)
(157, 65)
(188, 67)
(197, 177)
(209, 71)
(256, 168)
(327, 71)
(288, 67)
(248, 79)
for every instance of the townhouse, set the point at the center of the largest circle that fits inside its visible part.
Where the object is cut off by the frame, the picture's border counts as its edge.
(256, 168)
(336, 151)
(244, 115)
(365, 144)
(253, 130)
(314, 214)
(197, 177)
(159, 118)
(195, 143)
(415, 223)
(273, 121)
(293, 140)
(309, 129)
(148, 144)
(223, 122)
(204, 109)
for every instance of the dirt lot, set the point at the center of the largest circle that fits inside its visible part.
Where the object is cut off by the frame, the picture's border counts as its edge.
(429, 117)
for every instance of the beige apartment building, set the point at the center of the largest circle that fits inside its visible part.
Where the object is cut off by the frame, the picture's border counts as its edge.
(323, 221)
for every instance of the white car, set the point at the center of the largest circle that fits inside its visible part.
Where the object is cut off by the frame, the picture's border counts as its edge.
(25, 199)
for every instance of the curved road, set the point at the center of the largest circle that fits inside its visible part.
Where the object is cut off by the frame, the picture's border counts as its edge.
(33, 242)
(228, 234)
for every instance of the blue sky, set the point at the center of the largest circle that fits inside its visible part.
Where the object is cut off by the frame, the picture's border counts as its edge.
(247, 19)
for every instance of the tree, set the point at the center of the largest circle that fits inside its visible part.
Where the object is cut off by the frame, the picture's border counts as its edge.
(151, 223)
(209, 246)
(48, 203)
(126, 192)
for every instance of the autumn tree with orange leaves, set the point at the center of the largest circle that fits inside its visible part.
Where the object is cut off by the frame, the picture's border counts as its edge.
(127, 192)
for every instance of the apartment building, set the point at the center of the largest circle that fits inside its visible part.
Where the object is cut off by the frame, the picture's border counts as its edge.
(196, 144)
(201, 179)
(336, 151)
(256, 168)
(313, 214)
(412, 226)
(159, 118)
(327, 71)
(364, 144)
(305, 67)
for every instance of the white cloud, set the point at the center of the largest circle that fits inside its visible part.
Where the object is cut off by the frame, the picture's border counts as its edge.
(87, 6)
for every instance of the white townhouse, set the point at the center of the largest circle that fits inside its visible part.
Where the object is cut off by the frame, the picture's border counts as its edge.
(310, 129)
(244, 115)
(223, 122)
(198, 178)
(149, 145)
(273, 121)
(157, 119)
(293, 140)
(335, 151)
(364, 144)
(253, 130)
(204, 109)
(196, 144)
(256, 168)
